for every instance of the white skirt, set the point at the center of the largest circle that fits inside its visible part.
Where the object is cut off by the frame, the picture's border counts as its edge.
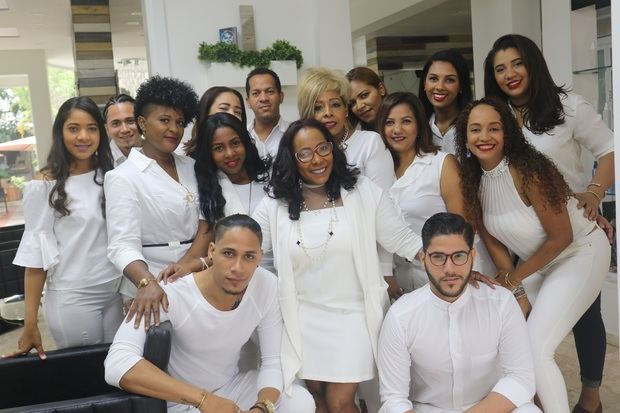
(335, 345)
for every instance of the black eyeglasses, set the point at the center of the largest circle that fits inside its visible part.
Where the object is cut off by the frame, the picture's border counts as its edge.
(458, 258)
(322, 149)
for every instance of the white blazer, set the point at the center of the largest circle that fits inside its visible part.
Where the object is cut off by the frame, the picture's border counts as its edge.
(374, 218)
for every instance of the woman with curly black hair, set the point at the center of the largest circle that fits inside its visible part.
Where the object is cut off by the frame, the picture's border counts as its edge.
(445, 89)
(64, 242)
(231, 179)
(560, 124)
(323, 222)
(152, 200)
(522, 203)
(216, 99)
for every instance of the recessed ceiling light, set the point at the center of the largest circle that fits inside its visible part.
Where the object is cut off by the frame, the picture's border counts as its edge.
(3, 5)
(136, 13)
(133, 23)
(8, 32)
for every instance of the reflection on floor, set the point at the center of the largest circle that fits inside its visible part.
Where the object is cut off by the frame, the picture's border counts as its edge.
(566, 358)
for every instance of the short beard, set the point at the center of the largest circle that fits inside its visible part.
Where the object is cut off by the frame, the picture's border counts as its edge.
(441, 291)
(235, 293)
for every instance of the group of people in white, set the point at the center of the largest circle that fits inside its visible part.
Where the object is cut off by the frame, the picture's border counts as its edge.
(385, 252)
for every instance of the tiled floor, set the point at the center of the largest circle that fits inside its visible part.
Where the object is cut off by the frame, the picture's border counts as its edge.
(566, 358)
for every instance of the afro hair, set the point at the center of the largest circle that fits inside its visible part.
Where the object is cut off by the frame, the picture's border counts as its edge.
(168, 92)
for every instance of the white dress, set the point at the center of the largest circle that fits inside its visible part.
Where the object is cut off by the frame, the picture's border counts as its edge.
(82, 305)
(334, 341)
(146, 207)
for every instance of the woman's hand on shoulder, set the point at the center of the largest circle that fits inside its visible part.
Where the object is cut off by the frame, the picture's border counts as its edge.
(175, 271)
(30, 339)
(146, 304)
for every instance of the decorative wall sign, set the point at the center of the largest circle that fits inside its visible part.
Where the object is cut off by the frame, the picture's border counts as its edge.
(228, 35)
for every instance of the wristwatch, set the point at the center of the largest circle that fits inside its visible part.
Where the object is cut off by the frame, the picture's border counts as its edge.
(144, 282)
(265, 405)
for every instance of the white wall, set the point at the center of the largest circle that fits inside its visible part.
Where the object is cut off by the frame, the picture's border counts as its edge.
(615, 34)
(33, 64)
(556, 39)
(320, 29)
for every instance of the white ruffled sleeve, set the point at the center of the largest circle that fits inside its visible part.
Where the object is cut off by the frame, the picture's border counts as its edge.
(38, 247)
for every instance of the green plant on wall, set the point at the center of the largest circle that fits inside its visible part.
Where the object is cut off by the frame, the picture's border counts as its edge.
(225, 52)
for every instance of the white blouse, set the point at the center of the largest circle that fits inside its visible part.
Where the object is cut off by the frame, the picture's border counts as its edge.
(366, 151)
(72, 249)
(515, 224)
(145, 206)
(418, 192)
(582, 127)
(445, 141)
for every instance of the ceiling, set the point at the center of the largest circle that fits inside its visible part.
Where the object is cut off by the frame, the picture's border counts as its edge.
(47, 25)
(447, 18)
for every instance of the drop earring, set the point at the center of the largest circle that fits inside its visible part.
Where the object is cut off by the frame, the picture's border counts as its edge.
(467, 153)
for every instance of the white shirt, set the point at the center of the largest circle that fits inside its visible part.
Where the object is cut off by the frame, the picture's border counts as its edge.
(117, 155)
(444, 141)
(72, 249)
(373, 218)
(449, 356)
(145, 206)
(582, 127)
(367, 152)
(206, 342)
(270, 145)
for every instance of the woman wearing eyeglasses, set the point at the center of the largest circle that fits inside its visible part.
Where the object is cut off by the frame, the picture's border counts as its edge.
(323, 223)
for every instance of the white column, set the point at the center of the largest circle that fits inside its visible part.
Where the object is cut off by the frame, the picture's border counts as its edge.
(491, 19)
(615, 35)
(556, 39)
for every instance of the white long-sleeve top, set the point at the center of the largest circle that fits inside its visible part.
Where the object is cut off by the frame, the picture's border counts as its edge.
(145, 206)
(583, 127)
(373, 219)
(367, 152)
(436, 356)
(206, 342)
(72, 249)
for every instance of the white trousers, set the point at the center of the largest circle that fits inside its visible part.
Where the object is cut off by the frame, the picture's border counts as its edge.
(569, 286)
(89, 315)
(425, 408)
(242, 390)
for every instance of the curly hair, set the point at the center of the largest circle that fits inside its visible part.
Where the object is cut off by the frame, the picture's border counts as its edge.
(168, 92)
(544, 109)
(285, 179)
(59, 159)
(459, 63)
(534, 168)
(424, 140)
(370, 78)
(204, 106)
(212, 200)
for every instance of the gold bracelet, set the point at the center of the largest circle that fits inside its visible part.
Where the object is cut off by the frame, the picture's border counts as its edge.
(595, 194)
(204, 398)
(594, 184)
(204, 263)
(507, 281)
(144, 282)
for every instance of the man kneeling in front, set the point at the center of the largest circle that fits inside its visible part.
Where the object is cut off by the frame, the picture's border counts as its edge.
(448, 347)
(213, 314)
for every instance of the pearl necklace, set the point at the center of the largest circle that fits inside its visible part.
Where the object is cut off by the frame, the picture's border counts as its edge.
(330, 231)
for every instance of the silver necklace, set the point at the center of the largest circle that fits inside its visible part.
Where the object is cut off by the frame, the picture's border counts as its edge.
(330, 231)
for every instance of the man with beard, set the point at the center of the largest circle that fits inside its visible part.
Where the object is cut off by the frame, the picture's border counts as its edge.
(448, 347)
(213, 314)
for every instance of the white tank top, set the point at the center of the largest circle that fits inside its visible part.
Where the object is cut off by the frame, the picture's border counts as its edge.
(513, 223)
